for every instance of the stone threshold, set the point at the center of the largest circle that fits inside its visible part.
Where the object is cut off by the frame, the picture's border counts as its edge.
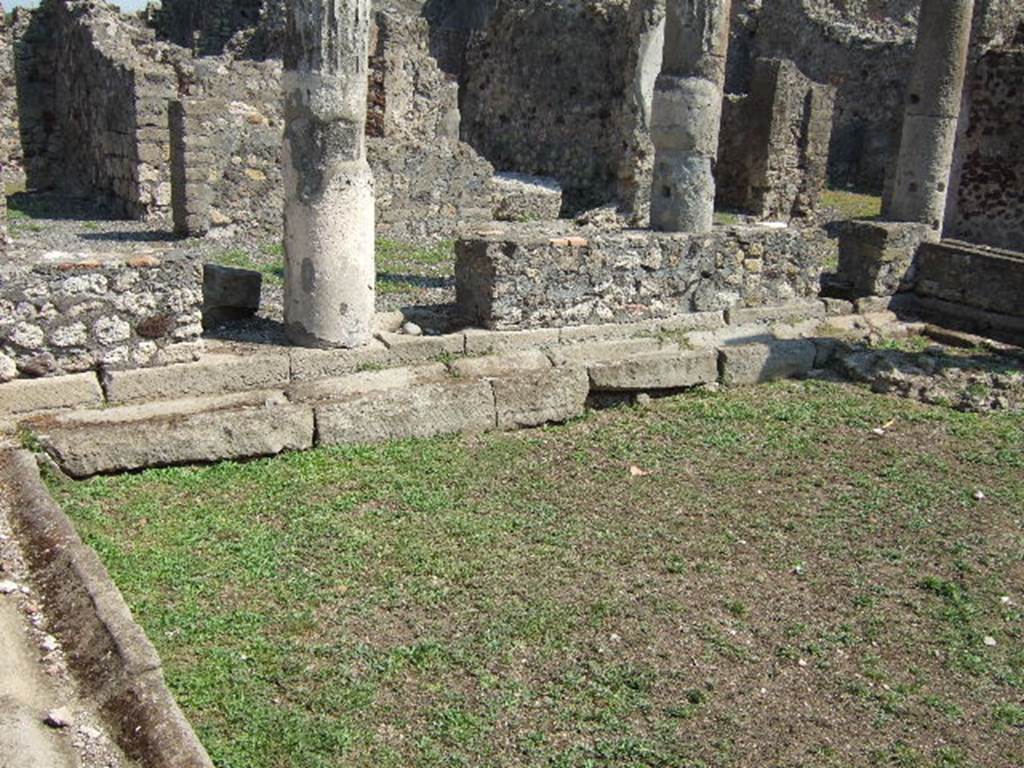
(232, 406)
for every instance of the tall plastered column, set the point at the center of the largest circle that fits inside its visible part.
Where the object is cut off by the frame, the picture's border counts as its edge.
(686, 114)
(921, 183)
(329, 201)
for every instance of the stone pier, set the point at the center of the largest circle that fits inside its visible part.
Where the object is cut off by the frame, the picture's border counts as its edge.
(329, 199)
(921, 182)
(686, 114)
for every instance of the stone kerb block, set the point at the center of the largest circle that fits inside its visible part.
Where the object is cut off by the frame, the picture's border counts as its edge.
(878, 258)
(519, 197)
(756, 363)
(175, 432)
(533, 398)
(229, 293)
(444, 407)
(660, 370)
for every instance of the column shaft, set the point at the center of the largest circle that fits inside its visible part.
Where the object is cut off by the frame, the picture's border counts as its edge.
(686, 114)
(329, 199)
(921, 181)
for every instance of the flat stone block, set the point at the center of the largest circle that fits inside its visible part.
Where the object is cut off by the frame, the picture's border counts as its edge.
(451, 406)
(23, 396)
(213, 375)
(661, 370)
(482, 342)
(179, 432)
(693, 321)
(532, 398)
(308, 364)
(229, 293)
(754, 363)
(518, 197)
(784, 313)
(601, 351)
(366, 381)
(403, 348)
(876, 258)
(492, 366)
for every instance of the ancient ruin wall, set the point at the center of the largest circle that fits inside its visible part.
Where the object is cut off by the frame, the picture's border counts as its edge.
(226, 143)
(10, 144)
(989, 199)
(773, 152)
(546, 92)
(865, 49)
(93, 107)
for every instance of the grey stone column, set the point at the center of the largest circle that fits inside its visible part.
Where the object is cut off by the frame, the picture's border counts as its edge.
(921, 181)
(329, 201)
(686, 114)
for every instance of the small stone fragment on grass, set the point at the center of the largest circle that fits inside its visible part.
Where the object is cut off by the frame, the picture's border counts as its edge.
(979, 495)
(643, 399)
(58, 718)
(989, 641)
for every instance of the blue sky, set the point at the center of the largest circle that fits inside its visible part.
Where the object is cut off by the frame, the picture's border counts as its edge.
(126, 5)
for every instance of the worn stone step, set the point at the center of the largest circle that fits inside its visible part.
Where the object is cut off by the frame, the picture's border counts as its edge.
(24, 396)
(659, 370)
(339, 387)
(601, 351)
(501, 365)
(533, 398)
(214, 374)
(441, 407)
(755, 363)
(192, 430)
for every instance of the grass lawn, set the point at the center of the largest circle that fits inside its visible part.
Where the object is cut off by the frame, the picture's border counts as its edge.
(402, 268)
(744, 578)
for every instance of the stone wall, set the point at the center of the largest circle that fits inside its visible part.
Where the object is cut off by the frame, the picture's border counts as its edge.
(988, 203)
(410, 96)
(93, 90)
(522, 277)
(61, 312)
(865, 49)
(773, 152)
(10, 143)
(227, 136)
(206, 26)
(974, 277)
(552, 88)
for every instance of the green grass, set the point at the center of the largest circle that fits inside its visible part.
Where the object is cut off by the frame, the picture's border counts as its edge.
(783, 588)
(398, 264)
(852, 205)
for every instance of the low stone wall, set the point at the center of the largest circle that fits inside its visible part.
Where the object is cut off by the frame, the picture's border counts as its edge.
(521, 277)
(773, 153)
(989, 198)
(62, 313)
(973, 277)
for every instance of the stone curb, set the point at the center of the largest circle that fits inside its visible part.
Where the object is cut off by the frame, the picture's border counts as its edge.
(108, 652)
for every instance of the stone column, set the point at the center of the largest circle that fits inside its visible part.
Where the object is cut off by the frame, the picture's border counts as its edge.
(921, 182)
(329, 201)
(686, 114)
